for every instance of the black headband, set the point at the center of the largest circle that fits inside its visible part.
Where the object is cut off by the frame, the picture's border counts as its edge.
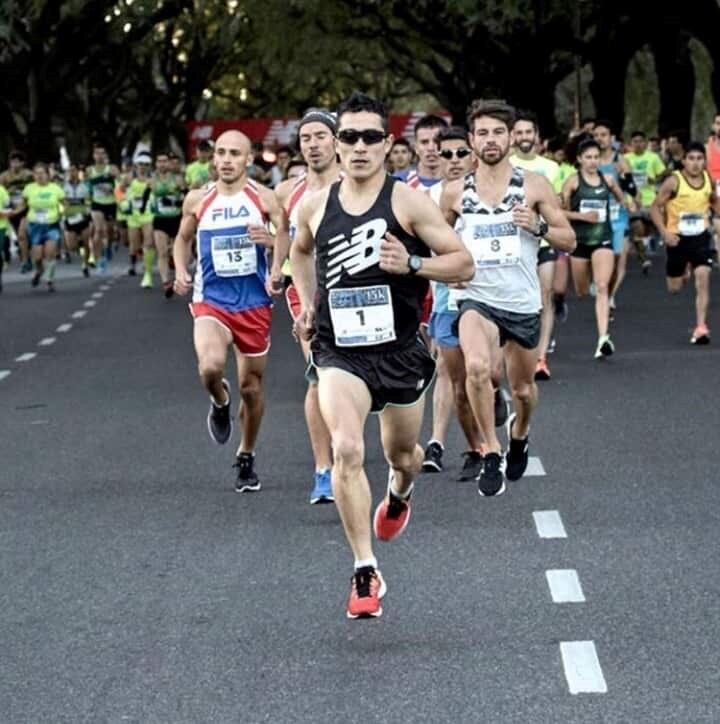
(319, 115)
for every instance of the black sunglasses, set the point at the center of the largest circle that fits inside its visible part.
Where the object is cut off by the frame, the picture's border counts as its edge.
(370, 136)
(448, 153)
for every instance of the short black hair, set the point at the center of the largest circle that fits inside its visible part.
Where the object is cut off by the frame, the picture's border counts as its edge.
(586, 144)
(586, 120)
(204, 146)
(636, 134)
(497, 109)
(522, 114)
(695, 147)
(257, 146)
(363, 103)
(601, 122)
(452, 133)
(285, 149)
(17, 156)
(430, 121)
(401, 141)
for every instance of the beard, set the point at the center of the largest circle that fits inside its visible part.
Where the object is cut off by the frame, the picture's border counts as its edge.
(501, 154)
(526, 146)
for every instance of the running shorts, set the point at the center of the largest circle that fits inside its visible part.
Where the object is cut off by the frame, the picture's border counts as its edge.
(170, 225)
(250, 329)
(585, 251)
(441, 329)
(521, 328)
(694, 250)
(38, 234)
(107, 210)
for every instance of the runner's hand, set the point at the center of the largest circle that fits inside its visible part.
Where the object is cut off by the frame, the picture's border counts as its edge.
(304, 326)
(274, 283)
(525, 218)
(671, 239)
(260, 235)
(183, 283)
(393, 255)
(592, 217)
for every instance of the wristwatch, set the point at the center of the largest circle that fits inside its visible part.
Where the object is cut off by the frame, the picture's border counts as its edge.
(542, 228)
(415, 263)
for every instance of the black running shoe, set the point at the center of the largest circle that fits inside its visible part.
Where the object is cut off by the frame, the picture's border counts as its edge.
(472, 467)
(86, 272)
(433, 458)
(219, 419)
(516, 457)
(168, 289)
(560, 309)
(51, 287)
(132, 272)
(501, 408)
(491, 480)
(36, 279)
(247, 479)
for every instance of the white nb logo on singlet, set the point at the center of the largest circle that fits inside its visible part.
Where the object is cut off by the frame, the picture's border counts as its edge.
(359, 253)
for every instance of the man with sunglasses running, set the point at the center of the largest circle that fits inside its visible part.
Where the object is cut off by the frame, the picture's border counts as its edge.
(361, 298)
(504, 211)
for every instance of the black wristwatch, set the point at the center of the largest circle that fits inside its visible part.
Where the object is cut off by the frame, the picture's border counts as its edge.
(542, 228)
(415, 263)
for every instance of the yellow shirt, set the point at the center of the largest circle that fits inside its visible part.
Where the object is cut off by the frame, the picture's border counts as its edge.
(687, 212)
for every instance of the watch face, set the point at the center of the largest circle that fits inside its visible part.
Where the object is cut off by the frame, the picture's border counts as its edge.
(415, 263)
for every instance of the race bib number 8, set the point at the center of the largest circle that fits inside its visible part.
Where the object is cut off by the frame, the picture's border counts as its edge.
(233, 255)
(493, 240)
(596, 205)
(691, 224)
(362, 316)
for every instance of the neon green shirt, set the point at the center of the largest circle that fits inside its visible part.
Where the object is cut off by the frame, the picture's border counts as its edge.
(566, 171)
(44, 202)
(646, 169)
(197, 173)
(544, 166)
(4, 205)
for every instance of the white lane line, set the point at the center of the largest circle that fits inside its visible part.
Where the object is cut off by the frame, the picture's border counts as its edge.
(534, 468)
(47, 341)
(64, 327)
(582, 667)
(89, 303)
(98, 295)
(25, 357)
(565, 586)
(40, 422)
(549, 524)
(79, 314)
(4, 374)
(105, 288)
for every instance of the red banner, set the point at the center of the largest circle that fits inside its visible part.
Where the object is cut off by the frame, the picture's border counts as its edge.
(274, 132)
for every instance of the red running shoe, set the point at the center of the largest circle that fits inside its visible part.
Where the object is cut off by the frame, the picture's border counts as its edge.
(367, 588)
(391, 516)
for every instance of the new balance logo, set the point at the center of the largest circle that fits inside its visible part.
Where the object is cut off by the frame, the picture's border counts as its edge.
(358, 254)
(229, 213)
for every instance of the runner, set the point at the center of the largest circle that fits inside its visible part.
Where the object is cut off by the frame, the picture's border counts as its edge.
(526, 136)
(5, 211)
(503, 212)
(361, 299)
(44, 203)
(296, 169)
(198, 173)
(681, 212)
(140, 220)
(77, 216)
(400, 158)
(427, 172)
(449, 391)
(15, 179)
(586, 198)
(231, 305)
(316, 136)
(713, 167)
(101, 177)
(167, 198)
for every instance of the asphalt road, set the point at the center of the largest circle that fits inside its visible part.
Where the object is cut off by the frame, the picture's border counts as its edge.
(136, 586)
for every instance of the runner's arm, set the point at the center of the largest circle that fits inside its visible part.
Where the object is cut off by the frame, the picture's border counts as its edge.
(280, 243)
(569, 188)
(613, 186)
(560, 234)
(301, 253)
(667, 190)
(184, 240)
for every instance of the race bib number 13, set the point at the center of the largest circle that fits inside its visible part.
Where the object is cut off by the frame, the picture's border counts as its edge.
(233, 255)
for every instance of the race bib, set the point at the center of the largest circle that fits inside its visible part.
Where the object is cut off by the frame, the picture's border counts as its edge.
(42, 216)
(75, 219)
(16, 199)
(233, 255)
(362, 316)
(137, 205)
(640, 179)
(614, 211)
(598, 206)
(492, 239)
(691, 224)
(168, 204)
(453, 299)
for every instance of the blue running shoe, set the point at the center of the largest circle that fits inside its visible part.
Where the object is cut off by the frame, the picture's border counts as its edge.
(322, 492)
(109, 253)
(102, 266)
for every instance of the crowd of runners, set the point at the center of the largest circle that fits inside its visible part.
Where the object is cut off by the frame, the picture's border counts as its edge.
(440, 263)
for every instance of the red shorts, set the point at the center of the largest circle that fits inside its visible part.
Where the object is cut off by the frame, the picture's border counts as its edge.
(250, 330)
(427, 307)
(293, 301)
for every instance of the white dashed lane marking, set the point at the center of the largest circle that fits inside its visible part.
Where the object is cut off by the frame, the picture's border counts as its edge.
(549, 524)
(25, 357)
(79, 314)
(64, 327)
(47, 341)
(89, 303)
(565, 586)
(534, 468)
(582, 667)
(98, 295)
(4, 374)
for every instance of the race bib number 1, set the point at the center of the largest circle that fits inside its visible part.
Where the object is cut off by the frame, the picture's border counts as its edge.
(362, 316)
(493, 240)
(233, 255)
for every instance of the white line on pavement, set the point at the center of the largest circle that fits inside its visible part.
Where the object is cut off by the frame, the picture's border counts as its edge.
(64, 327)
(549, 524)
(4, 374)
(89, 303)
(565, 586)
(25, 357)
(534, 467)
(79, 314)
(582, 667)
(104, 287)
(98, 295)
(46, 341)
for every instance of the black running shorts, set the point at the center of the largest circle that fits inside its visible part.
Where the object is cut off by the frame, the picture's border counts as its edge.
(585, 251)
(521, 328)
(546, 254)
(107, 210)
(169, 224)
(694, 250)
(398, 377)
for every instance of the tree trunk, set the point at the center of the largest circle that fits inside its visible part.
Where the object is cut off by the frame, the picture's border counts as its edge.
(676, 78)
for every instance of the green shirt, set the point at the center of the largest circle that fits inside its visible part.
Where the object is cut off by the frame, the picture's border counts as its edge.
(544, 166)
(566, 171)
(167, 197)
(102, 184)
(135, 195)
(4, 206)
(197, 173)
(646, 169)
(44, 202)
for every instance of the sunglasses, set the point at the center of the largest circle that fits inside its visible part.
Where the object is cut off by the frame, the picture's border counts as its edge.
(448, 153)
(370, 136)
